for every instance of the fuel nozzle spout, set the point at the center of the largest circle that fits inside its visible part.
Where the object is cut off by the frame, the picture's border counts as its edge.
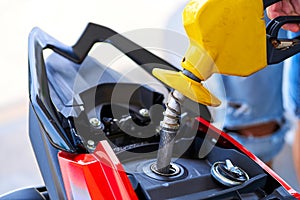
(168, 130)
(186, 84)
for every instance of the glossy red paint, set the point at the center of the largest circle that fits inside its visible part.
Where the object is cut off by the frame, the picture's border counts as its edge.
(99, 175)
(227, 137)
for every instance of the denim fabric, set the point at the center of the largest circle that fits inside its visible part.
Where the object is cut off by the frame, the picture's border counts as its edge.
(292, 66)
(267, 147)
(253, 100)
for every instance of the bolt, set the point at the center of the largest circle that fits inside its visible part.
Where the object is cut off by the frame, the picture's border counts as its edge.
(144, 112)
(91, 144)
(95, 122)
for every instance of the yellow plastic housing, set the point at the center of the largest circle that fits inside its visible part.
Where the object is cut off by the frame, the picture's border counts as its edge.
(226, 37)
(189, 88)
(232, 32)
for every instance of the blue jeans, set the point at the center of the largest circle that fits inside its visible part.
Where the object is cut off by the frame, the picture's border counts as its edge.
(292, 66)
(254, 100)
(267, 147)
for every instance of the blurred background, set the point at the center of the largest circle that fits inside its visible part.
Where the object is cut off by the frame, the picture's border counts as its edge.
(65, 20)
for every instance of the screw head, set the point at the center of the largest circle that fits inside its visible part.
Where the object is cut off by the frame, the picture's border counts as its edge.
(95, 122)
(91, 144)
(144, 112)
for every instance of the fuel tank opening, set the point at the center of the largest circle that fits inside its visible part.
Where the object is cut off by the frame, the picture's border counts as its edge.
(173, 170)
(176, 172)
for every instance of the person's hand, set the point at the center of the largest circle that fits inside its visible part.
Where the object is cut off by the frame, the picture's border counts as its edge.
(285, 8)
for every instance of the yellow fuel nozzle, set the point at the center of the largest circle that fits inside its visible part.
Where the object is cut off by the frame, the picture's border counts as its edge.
(226, 37)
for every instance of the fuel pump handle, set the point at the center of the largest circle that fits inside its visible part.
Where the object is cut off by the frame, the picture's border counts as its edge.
(279, 49)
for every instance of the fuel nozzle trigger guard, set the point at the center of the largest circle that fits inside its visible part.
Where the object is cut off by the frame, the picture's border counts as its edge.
(279, 49)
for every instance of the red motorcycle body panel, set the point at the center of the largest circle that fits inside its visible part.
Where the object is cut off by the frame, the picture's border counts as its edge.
(95, 176)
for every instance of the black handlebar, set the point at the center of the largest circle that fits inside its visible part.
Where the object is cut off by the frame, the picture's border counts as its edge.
(38, 81)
